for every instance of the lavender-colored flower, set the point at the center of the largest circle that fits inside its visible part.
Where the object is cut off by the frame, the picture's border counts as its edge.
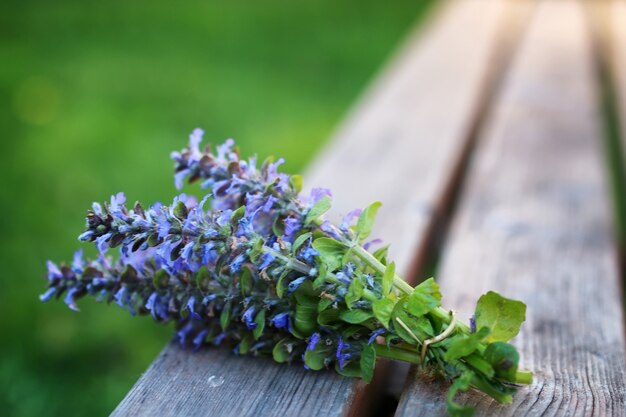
(342, 356)
(54, 272)
(281, 320)
(293, 285)
(374, 335)
(248, 318)
(315, 337)
(70, 298)
(183, 332)
(48, 294)
(190, 305)
(199, 339)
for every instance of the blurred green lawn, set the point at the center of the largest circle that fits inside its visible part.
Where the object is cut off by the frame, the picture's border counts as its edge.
(94, 96)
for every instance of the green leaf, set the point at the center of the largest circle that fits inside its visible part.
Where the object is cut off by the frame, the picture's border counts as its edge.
(466, 344)
(319, 208)
(299, 241)
(225, 316)
(296, 182)
(329, 318)
(244, 345)
(366, 220)
(351, 370)
(314, 359)
(355, 316)
(382, 310)
(161, 279)
(260, 324)
(424, 298)
(237, 215)
(387, 282)
(280, 351)
(504, 358)
(460, 384)
(330, 252)
(203, 278)
(280, 288)
(245, 281)
(305, 318)
(368, 361)
(180, 210)
(502, 315)
(420, 326)
(324, 304)
(355, 292)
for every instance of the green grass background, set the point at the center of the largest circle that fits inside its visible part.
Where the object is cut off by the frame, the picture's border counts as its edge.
(94, 96)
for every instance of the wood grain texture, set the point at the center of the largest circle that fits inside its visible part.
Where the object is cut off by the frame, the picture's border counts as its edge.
(400, 145)
(534, 224)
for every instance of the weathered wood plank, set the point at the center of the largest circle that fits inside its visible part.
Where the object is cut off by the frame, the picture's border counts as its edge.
(399, 145)
(534, 224)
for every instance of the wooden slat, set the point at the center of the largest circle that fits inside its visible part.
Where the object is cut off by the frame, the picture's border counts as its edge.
(534, 224)
(400, 145)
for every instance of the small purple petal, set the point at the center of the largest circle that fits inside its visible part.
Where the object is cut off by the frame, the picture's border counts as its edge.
(315, 337)
(48, 294)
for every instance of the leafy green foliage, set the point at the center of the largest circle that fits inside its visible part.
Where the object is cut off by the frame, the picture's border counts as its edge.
(387, 281)
(367, 362)
(355, 316)
(504, 359)
(464, 345)
(424, 298)
(382, 310)
(366, 221)
(321, 207)
(502, 315)
(330, 251)
(355, 292)
(462, 383)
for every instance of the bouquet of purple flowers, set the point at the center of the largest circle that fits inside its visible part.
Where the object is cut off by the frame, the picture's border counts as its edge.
(256, 265)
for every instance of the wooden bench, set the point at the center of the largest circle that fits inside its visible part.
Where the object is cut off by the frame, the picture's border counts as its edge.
(497, 102)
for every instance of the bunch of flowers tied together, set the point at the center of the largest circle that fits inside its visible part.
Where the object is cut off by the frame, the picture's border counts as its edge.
(256, 266)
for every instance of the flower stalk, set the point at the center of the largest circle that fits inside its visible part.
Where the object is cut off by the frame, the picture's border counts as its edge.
(255, 265)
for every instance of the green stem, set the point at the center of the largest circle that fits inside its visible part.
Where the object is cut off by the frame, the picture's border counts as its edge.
(398, 354)
(524, 377)
(439, 313)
